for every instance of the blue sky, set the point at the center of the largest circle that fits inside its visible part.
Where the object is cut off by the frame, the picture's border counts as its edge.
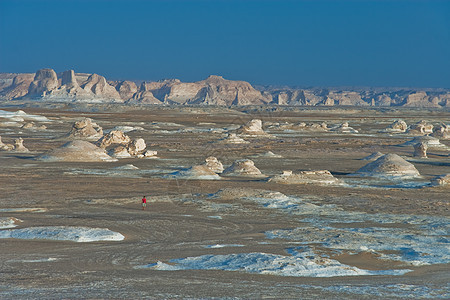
(302, 43)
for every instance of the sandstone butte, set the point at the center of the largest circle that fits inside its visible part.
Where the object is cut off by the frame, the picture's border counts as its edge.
(68, 86)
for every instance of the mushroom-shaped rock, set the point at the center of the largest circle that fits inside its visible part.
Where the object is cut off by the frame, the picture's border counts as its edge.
(389, 165)
(232, 138)
(421, 127)
(18, 145)
(114, 137)
(420, 150)
(253, 127)
(77, 150)
(441, 180)
(86, 129)
(397, 126)
(196, 172)
(373, 156)
(6, 147)
(214, 164)
(305, 177)
(243, 167)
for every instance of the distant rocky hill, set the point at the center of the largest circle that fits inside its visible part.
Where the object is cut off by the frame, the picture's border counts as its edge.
(68, 86)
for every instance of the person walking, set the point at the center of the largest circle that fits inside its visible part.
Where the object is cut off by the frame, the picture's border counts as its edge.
(144, 203)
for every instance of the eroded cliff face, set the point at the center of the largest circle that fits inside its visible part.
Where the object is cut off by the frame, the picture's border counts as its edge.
(47, 85)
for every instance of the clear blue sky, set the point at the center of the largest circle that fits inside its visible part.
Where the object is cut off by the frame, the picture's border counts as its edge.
(305, 43)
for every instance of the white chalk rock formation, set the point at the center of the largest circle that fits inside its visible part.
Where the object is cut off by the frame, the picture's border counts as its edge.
(373, 156)
(344, 128)
(18, 145)
(77, 151)
(243, 167)
(305, 177)
(397, 127)
(119, 152)
(430, 141)
(388, 166)
(5, 147)
(253, 127)
(232, 138)
(137, 147)
(114, 137)
(201, 172)
(214, 164)
(268, 154)
(420, 128)
(441, 131)
(86, 129)
(420, 150)
(45, 80)
(441, 180)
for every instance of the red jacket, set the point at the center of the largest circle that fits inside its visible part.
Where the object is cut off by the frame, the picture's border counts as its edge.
(144, 200)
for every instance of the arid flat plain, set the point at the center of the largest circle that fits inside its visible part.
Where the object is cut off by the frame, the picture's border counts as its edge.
(234, 237)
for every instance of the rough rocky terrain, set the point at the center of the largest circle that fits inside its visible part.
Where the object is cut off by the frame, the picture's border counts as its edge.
(75, 229)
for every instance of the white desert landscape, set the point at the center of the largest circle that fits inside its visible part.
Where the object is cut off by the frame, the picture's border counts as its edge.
(226, 149)
(350, 212)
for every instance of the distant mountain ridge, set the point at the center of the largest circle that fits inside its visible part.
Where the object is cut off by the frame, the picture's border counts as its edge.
(68, 86)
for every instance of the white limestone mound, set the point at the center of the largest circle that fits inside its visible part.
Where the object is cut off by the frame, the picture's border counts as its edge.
(214, 164)
(86, 129)
(62, 233)
(119, 152)
(389, 166)
(232, 138)
(18, 146)
(243, 167)
(8, 222)
(373, 156)
(420, 128)
(441, 131)
(21, 116)
(77, 151)
(420, 150)
(201, 172)
(305, 177)
(33, 126)
(441, 180)
(398, 126)
(344, 128)
(253, 127)
(5, 147)
(124, 129)
(135, 148)
(127, 167)
(268, 154)
(430, 141)
(114, 137)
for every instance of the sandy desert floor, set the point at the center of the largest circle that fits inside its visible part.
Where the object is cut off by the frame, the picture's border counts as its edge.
(235, 237)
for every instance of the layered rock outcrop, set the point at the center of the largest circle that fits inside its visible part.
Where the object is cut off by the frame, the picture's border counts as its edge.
(47, 85)
(305, 177)
(86, 129)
